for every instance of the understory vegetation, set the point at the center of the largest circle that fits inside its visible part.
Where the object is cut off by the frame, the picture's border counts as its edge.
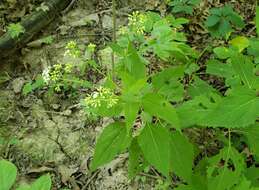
(161, 95)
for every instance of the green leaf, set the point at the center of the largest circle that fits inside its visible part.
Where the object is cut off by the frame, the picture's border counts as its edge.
(236, 20)
(15, 30)
(220, 176)
(135, 63)
(200, 87)
(212, 20)
(158, 106)
(220, 69)
(113, 140)
(8, 172)
(167, 83)
(134, 156)
(220, 22)
(252, 174)
(131, 111)
(240, 43)
(192, 112)
(27, 88)
(181, 156)
(239, 109)
(43, 183)
(166, 75)
(154, 143)
(251, 134)
(152, 18)
(222, 52)
(243, 185)
(178, 22)
(39, 82)
(224, 28)
(243, 67)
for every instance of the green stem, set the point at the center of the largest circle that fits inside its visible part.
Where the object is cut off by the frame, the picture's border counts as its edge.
(113, 35)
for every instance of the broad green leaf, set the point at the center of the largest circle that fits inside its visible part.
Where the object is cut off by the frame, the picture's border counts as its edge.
(113, 140)
(220, 69)
(252, 174)
(130, 111)
(236, 20)
(135, 63)
(178, 22)
(254, 47)
(166, 75)
(220, 176)
(243, 67)
(134, 156)
(156, 105)
(243, 185)
(181, 156)
(43, 183)
(164, 42)
(133, 89)
(199, 181)
(39, 82)
(239, 109)
(222, 52)
(8, 172)
(224, 28)
(167, 83)
(152, 18)
(162, 31)
(212, 20)
(154, 142)
(200, 87)
(240, 43)
(27, 88)
(191, 113)
(257, 20)
(252, 136)
(220, 22)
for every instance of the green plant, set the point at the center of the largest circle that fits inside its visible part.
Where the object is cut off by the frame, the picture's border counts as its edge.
(221, 20)
(167, 107)
(15, 30)
(183, 6)
(8, 172)
(66, 75)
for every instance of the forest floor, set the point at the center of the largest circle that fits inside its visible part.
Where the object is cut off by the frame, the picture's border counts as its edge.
(51, 134)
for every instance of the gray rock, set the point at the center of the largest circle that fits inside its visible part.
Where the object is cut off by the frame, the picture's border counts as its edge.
(17, 84)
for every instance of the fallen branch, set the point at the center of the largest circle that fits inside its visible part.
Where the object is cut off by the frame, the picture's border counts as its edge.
(32, 24)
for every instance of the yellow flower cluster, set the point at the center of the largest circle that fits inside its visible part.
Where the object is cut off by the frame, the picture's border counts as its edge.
(68, 67)
(56, 73)
(123, 30)
(72, 50)
(137, 21)
(103, 96)
(91, 47)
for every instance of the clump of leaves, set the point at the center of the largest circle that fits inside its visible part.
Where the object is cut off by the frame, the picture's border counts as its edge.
(158, 99)
(221, 20)
(15, 30)
(183, 6)
(8, 172)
